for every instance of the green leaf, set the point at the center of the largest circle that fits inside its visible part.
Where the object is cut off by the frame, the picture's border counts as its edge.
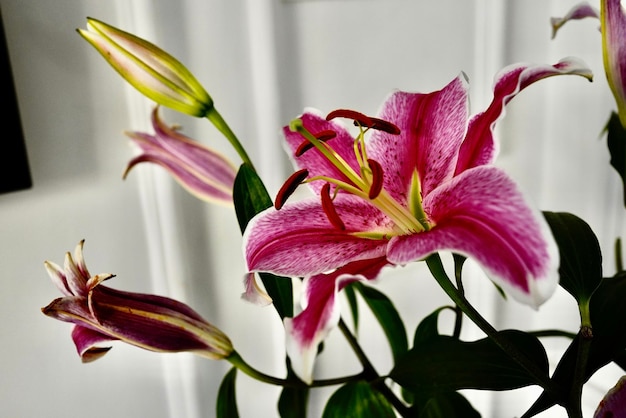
(357, 400)
(448, 405)
(226, 399)
(446, 364)
(616, 141)
(428, 328)
(581, 258)
(388, 318)
(608, 343)
(250, 197)
(293, 401)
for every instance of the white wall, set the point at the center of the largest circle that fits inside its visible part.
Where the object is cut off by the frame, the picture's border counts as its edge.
(262, 61)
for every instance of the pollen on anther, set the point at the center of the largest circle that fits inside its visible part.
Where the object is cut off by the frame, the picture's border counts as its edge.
(358, 117)
(377, 178)
(289, 187)
(329, 208)
(306, 145)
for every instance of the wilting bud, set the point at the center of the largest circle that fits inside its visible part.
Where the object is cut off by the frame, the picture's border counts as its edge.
(152, 71)
(102, 314)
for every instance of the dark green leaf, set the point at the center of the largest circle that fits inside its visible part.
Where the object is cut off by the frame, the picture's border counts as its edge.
(293, 401)
(448, 405)
(250, 197)
(616, 141)
(357, 400)
(428, 328)
(607, 309)
(387, 317)
(226, 399)
(445, 364)
(581, 258)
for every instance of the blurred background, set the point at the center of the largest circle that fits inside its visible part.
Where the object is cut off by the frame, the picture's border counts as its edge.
(262, 61)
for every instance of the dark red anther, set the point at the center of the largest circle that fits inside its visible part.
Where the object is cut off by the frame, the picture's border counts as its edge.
(289, 187)
(385, 126)
(306, 145)
(358, 117)
(329, 208)
(377, 178)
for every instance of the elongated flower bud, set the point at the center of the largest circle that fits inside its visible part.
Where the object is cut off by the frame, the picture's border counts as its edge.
(155, 73)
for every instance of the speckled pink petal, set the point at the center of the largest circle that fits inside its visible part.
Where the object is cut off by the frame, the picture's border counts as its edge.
(479, 146)
(613, 405)
(432, 128)
(299, 240)
(482, 214)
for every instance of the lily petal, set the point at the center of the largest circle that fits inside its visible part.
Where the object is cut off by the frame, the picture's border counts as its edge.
(432, 127)
(614, 402)
(479, 147)
(299, 240)
(613, 24)
(482, 214)
(579, 11)
(87, 342)
(321, 312)
(202, 171)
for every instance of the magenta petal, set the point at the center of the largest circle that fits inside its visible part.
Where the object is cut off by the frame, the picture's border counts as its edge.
(479, 147)
(432, 128)
(299, 240)
(613, 22)
(613, 404)
(579, 11)
(483, 215)
(321, 313)
(87, 343)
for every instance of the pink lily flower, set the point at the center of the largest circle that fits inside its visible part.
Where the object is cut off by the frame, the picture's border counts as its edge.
(102, 314)
(421, 183)
(202, 171)
(613, 28)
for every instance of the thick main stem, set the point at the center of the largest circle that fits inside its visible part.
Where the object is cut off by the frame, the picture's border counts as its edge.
(370, 374)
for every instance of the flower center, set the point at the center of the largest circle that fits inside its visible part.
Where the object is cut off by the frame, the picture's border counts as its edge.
(366, 183)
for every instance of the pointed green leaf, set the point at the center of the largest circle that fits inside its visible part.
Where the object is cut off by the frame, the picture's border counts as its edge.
(608, 343)
(616, 141)
(445, 364)
(448, 405)
(250, 197)
(428, 327)
(581, 258)
(388, 318)
(226, 399)
(357, 400)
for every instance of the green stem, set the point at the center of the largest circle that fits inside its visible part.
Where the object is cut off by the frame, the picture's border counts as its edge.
(458, 270)
(236, 360)
(216, 119)
(436, 268)
(370, 374)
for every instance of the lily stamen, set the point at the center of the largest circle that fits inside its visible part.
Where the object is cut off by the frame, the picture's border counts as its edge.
(306, 145)
(289, 187)
(329, 208)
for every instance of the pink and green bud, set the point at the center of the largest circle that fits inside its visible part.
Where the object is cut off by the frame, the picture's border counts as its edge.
(155, 73)
(202, 171)
(102, 314)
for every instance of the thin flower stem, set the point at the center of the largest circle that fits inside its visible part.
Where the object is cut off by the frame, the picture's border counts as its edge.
(216, 119)
(236, 360)
(370, 374)
(458, 269)
(436, 268)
